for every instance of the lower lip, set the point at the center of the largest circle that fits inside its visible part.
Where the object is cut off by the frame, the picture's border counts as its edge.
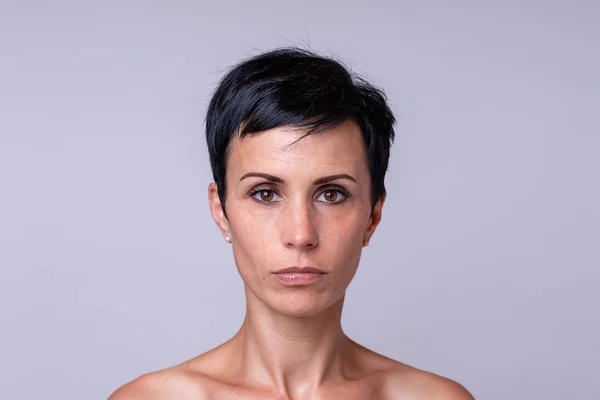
(298, 278)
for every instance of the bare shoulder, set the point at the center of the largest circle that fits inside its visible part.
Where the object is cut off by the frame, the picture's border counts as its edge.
(175, 382)
(407, 382)
(397, 380)
(195, 379)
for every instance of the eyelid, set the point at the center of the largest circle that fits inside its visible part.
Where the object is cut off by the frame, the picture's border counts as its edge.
(263, 186)
(336, 188)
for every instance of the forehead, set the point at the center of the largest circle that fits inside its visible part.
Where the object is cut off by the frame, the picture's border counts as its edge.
(340, 148)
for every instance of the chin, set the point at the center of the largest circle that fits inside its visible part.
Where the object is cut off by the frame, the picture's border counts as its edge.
(301, 305)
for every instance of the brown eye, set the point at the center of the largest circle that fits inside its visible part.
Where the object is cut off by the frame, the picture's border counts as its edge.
(266, 195)
(332, 196)
(263, 195)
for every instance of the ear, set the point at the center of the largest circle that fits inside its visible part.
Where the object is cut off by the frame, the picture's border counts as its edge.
(216, 210)
(374, 220)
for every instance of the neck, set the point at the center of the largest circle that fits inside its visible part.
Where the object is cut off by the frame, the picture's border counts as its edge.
(294, 354)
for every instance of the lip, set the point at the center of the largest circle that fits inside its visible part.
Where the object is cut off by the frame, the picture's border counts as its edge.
(296, 276)
(300, 270)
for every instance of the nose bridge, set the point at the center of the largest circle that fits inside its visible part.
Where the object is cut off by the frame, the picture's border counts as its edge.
(299, 222)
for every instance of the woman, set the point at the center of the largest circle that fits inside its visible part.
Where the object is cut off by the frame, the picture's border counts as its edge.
(299, 149)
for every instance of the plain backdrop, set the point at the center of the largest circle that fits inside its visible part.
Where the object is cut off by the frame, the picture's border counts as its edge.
(485, 268)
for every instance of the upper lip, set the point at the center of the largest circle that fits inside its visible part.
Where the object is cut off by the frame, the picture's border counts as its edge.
(305, 270)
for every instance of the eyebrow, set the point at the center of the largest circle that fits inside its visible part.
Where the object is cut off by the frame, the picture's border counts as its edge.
(276, 179)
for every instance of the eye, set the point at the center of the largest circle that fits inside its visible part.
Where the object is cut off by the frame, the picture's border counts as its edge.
(333, 195)
(264, 195)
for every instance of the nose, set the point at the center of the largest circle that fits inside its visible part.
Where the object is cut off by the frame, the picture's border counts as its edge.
(299, 226)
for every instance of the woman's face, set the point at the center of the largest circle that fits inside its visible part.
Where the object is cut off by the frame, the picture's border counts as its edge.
(304, 205)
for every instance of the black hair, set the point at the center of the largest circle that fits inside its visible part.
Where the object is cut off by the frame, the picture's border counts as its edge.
(298, 88)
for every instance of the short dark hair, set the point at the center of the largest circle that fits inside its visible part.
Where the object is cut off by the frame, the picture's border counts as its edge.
(299, 88)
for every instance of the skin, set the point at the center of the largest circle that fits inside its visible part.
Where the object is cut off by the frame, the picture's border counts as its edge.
(291, 344)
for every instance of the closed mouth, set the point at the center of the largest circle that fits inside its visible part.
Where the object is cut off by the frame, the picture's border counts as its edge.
(299, 270)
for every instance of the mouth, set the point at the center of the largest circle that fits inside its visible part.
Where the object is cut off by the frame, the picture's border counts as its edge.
(299, 270)
(299, 276)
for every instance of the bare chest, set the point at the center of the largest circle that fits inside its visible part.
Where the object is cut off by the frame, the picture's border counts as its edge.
(360, 390)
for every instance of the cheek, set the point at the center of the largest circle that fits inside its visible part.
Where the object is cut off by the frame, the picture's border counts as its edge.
(259, 225)
(348, 226)
(254, 236)
(342, 237)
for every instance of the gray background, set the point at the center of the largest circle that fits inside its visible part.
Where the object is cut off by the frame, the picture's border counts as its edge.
(484, 269)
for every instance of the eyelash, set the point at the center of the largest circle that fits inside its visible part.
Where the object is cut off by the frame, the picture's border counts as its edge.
(263, 188)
